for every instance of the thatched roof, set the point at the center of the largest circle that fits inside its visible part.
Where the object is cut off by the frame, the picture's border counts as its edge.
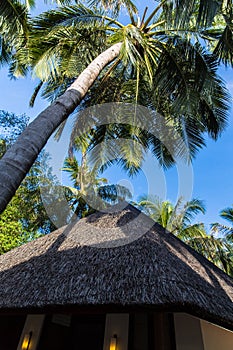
(91, 265)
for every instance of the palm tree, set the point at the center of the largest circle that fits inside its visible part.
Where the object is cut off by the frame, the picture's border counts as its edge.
(178, 220)
(216, 249)
(225, 239)
(225, 230)
(89, 190)
(153, 54)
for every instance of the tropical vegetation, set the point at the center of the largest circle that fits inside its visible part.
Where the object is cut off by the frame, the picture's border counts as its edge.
(226, 230)
(83, 53)
(89, 191)
(178, 219)
(25, 217)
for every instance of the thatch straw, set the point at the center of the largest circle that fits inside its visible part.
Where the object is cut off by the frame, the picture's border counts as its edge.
(85, 266)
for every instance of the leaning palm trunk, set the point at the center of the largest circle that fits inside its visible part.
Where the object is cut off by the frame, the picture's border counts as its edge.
(20, 157)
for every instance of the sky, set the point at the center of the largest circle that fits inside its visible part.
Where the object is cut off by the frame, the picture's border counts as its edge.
(209, 178)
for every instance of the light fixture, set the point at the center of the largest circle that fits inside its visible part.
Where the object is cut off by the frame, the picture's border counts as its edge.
(113, 343)
(26, 341)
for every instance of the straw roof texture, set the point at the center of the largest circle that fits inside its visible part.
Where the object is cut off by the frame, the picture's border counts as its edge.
(109, 260)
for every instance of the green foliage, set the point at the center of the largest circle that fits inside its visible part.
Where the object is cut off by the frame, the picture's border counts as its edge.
(175, 218)
(178, 218)
(14, 28)
(162, 64)
(113, 6)
(166, 70)
(33, 213)
(11, 228)
(2, 147)
(13, 231)
(225, 230)
(89, 187)
(11, 126)
(25, 217)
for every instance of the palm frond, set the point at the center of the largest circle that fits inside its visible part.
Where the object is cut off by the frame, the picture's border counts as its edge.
(222, 229)
(14, 28)
(192, 234)
(227, 214)
(71, 166)
(226, 231)
(192, 208)
(30, 4)
(204, 10)
(112, 193)
(63, 42)
(217, 250)
(115, 7)
(13, 17)
(224, 47)
(195, 102)
(68, 16)
(35, 93)
(5, 52)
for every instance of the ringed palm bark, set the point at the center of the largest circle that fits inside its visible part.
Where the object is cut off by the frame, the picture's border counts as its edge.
(143, 48)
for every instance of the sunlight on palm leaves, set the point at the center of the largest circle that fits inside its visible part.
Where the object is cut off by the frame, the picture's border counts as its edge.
(226, 231)
(14, 27)
(87, 182)
(215, 249)
(178, 218)
(178, 77)
(175, 218)
(161, 64)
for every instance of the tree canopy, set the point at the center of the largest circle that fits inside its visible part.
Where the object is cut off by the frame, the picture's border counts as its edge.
(178, 219)
(225, 230)
(25, 217)
(157, 59)
(90, 191)
(81, 52)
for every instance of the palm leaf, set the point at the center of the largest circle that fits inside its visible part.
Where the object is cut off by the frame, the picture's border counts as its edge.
(5, 52)
(225, 230)
(115, 6)
(204, 10)
(224, 47)
(13, 21)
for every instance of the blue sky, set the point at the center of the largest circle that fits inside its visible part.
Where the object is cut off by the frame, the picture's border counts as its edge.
(212, 169)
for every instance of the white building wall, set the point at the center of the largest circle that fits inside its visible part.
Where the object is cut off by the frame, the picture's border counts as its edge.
(216, 338)
(188, 332)
(195, 334)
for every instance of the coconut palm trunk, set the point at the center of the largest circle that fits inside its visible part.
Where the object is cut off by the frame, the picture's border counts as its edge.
(176, 77)
(20, 157)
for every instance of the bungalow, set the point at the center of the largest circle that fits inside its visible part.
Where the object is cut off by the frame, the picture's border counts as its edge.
(113, 280)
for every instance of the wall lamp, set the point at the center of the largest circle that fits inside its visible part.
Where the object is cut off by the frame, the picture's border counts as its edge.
(113, 343)
(26, 341)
